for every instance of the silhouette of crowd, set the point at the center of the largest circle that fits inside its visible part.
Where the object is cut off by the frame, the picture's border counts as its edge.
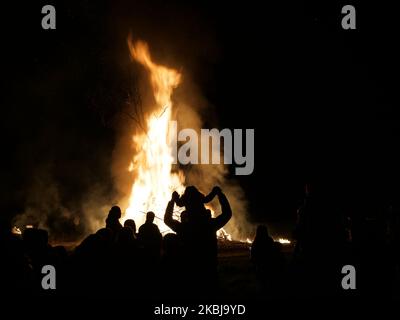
(328, 236)
(121, 260)
(118, 260)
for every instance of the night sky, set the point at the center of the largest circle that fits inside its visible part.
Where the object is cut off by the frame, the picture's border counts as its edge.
(322, 100)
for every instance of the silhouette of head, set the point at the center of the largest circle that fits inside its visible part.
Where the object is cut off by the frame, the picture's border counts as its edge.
(191, 198)
(184, 217)
(262, 232)
(114, 213)
(170, 244)
(130, 223)
(150, 217)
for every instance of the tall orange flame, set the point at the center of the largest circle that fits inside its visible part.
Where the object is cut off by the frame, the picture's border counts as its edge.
(152, 164)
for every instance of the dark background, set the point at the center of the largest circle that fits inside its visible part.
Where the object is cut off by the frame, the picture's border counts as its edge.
(322, 100)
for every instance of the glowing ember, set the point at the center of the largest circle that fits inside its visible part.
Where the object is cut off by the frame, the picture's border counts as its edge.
(16, 230)
(223, 235)
(283, 241)
(152, 164)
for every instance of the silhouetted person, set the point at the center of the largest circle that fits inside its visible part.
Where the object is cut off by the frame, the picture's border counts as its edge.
(126, 263)
(171, 265)
(150, 238)
(197, 231)
(261, 246)
(39, 252)
(16, 273)
(193, 201)
(112, 221)
(92, 263)
(125, 237)
(321, 240)
(269, 261)
(130, 223)
(375, 267)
